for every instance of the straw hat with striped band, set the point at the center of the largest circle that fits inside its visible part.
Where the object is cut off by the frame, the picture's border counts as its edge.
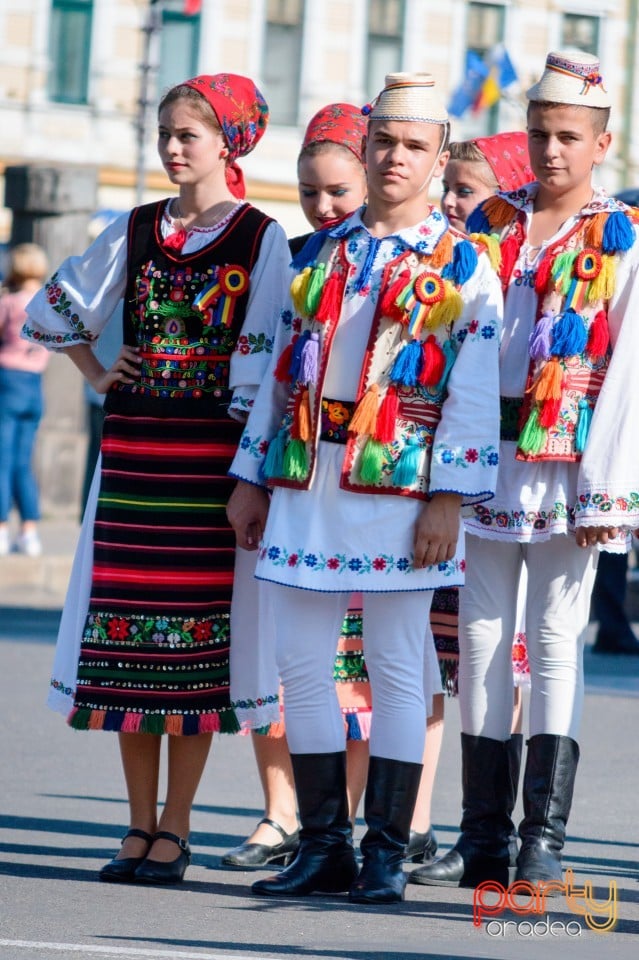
(571, 77)
(408, 96)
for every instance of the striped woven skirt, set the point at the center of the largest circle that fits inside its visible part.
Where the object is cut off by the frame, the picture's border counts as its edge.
(154, 656)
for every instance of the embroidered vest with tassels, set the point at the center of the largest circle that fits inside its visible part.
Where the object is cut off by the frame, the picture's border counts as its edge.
(403, 383)
(570, 344)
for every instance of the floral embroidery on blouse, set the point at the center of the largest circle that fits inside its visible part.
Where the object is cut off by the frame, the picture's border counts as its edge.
(517, 520)
(486, 456)
(604, 503)
(342, 563)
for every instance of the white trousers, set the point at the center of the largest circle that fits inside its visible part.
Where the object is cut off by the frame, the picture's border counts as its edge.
(395, 629)
(561, 576)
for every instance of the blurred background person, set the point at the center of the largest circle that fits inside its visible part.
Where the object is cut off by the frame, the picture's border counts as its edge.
(21, 367)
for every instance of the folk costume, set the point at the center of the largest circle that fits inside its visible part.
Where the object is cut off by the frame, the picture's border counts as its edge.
(201, 305)
(384, 393)
(567, 459)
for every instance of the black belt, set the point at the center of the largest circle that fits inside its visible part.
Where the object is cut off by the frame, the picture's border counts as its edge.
(510, 414)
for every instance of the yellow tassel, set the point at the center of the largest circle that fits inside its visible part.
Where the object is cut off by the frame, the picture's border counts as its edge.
(499, 212)
(603, 286)
(548, 383)
(447, 310)
(443, 252)
(364, 419)
(304, 423)
(593, 234)
(491, 242)
(299, 286)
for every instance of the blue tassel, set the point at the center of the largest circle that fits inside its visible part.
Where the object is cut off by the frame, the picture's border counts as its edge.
(353, 729)
(618, 233)
(407, 365)
(450, 356)
(569, 335)
(405, 472)
(478, 222)
(113, 721)
(365, 275)
(463, 265)
(307, 256)
(296, 356)
(583, 425)
(190, 725)
(274, 461)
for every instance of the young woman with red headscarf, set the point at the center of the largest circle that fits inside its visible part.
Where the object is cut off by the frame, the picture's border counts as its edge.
(144, 640)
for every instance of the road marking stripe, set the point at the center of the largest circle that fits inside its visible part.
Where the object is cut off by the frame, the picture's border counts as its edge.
(87, 948)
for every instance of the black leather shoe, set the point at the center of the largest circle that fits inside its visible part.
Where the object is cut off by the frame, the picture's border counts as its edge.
(155, 871)
(421, 847)
(122, 871)
(321, 865)
(249, 855)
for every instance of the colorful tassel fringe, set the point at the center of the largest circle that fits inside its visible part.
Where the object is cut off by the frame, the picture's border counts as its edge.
(405, 472)
(370, 467)
(83, 718)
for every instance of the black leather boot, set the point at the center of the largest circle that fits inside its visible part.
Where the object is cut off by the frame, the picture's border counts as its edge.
(325, 860)
(481, 852)
(549, 780)
(391, 792)
(513, 748)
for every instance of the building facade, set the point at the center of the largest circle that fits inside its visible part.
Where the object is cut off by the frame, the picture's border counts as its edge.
(79, 80)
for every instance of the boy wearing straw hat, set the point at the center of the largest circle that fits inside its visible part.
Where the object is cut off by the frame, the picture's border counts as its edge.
(569, 470)
(379, 421)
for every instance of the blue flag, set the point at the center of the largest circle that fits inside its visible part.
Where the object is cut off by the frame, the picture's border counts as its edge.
(466, 94)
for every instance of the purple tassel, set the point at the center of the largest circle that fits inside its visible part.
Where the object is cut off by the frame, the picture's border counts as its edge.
(540, 339)
(310, 353)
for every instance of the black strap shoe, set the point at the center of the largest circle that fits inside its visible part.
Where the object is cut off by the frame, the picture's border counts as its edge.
(123, 870)
(158, 872)
(252, 855)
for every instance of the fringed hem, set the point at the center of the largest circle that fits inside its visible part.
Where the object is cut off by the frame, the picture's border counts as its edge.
(358, 725)
(259, 719)
(176, 725)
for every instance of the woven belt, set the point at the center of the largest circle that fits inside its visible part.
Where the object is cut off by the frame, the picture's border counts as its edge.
(336, 416)
(510, 413)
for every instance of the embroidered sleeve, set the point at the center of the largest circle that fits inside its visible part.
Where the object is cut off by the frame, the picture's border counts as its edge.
(466, 446)
(270, 278)
(83, 293)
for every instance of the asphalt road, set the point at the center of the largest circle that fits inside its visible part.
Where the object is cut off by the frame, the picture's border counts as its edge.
(64, 811)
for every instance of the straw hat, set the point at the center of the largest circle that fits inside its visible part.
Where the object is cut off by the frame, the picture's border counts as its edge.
(572, 77)
(408, 96)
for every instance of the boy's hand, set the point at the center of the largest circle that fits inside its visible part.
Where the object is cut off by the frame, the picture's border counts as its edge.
(437, 530)
(247, 510)
(591, 536)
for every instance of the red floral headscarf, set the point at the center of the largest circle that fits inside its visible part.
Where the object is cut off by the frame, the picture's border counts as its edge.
(507, 156)
(242, 113)
(340, 123)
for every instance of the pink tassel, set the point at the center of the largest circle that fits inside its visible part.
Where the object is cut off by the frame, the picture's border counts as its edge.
(131, 723)
(209, 723)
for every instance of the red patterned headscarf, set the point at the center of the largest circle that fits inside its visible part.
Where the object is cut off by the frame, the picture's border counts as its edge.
(242, 113)
(340, 123)
(507, 156)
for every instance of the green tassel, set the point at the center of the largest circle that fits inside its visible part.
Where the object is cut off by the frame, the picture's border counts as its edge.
(533, 436)
(228, 722)
(314, 290)
(370, 467)
(562, 270)
(80, 719)
(152, 724)
(295, 461)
